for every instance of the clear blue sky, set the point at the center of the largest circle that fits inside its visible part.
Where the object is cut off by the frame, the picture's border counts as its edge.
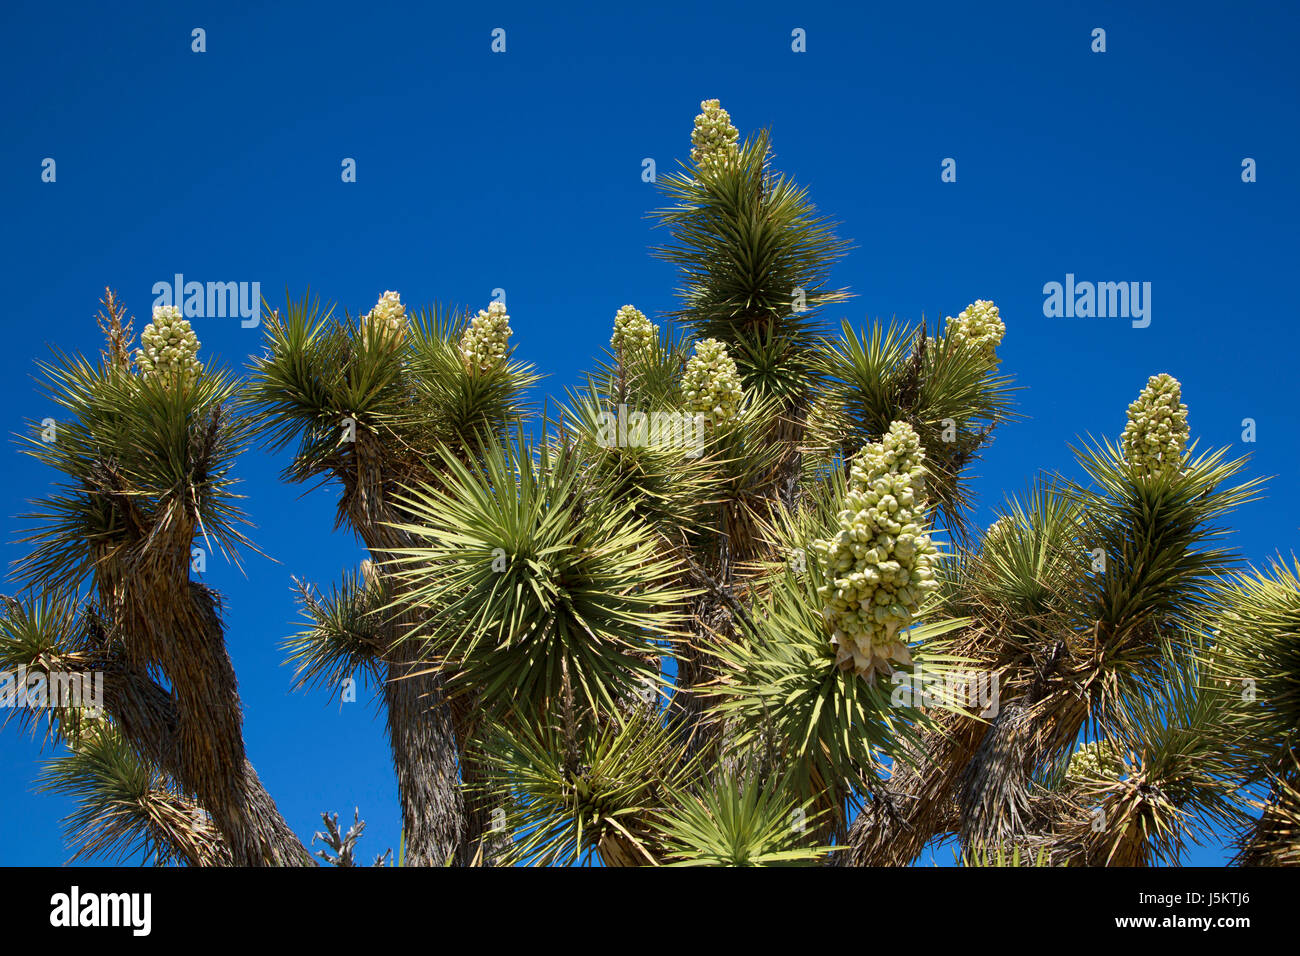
(522, 171)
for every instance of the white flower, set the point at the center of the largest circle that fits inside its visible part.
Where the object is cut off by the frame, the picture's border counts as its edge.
(1096, 760)
(486, 341)
(634, 334)
(711, 384)
(879, 567)
(386, 321)
(979, 325)
(1156, 435)
(169, 348)
(713, 141)
(996, 532)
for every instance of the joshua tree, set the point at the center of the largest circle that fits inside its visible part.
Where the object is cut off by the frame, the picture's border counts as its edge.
(723, 604)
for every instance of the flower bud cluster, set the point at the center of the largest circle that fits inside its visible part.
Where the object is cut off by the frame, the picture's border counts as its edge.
(713, 141)
(1095, 760)
(879, 567)
(169, 347)
(979, 325)
(386, 321)
(711, 384)
(1156, 435)
(996, 532)
(634, 334)
(487, 340)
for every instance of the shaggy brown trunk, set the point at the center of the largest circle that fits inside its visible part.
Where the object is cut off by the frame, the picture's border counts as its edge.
(421, 736)
(242, 811)
(919, 802)
(704, 733)
(617, 850)
(997, 788)
(169, 623)
(421, 730)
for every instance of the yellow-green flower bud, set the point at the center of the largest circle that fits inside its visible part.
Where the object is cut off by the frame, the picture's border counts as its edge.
(879, 567)
(634, 334)
(486, 341)
(997, 532)
(980, 326)
(169, 348)
(711, 385)
(1156, 435)
(713, 141)
(1093, 761)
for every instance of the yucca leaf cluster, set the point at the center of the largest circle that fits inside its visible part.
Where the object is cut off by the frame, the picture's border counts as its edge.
(723, 603)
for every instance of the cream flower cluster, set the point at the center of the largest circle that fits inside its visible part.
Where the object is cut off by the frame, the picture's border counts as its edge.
(879, 566)
(1156, 435)
(996, 532)
(487, 340)
(633, 332)
(169, 347)
(713, 141)
(979, 325)
(386, 321)
(711, 384)
(1094, 760)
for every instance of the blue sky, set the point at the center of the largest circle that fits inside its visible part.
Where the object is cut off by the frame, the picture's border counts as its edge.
(522, 171)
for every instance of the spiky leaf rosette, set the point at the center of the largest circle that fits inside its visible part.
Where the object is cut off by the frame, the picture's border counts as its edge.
(346, 633)
(169, 348)
(44, 635)
(1257, 657)
(713, 140)
(486, 342)
(1029, 561)
(577, 790)
(1151, 563)
(525, 577)
(1151, 540)
(373, 415)
(740, 821)
(1161, 777)
(949, 394)
(124, 808)
(145, 468)
(711, 385)
(634, 334)
(880, 565)
(753, 252)
(980, 327)
(781, 681)
(658, 464)
(1155, 438)
(386, 322)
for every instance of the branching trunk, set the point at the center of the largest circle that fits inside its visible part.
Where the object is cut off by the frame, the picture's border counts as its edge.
(149, 720)
(427, 752)
(919, 802)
